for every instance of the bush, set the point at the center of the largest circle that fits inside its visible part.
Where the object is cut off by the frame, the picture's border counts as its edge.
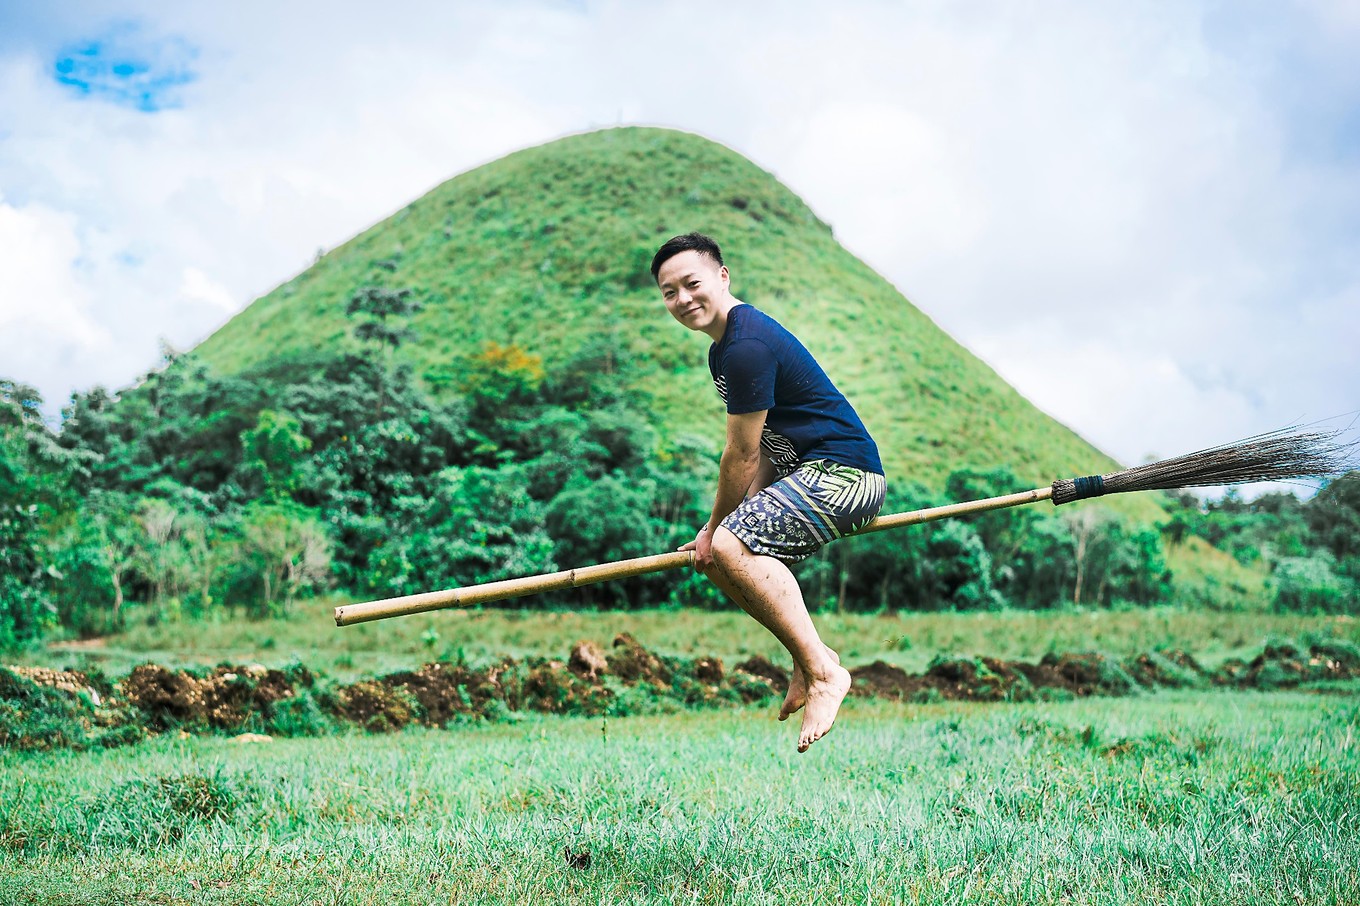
(1311, 585)
(161, 810)
(62, 713)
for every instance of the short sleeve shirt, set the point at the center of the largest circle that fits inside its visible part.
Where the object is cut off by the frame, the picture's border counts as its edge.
(758, 364)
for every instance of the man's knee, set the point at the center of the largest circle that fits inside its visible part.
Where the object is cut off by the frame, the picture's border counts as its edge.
(728, 549)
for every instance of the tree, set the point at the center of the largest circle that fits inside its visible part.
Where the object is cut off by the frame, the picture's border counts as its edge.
(1311, 584)
(957, 571)
(35, 478)
(1044, 568)
(273, 452)
(384, 322)
(26, 609)
(383, 316)
(20, 404)
(604, 520)
(1334, 520)
(1085, 524)
(162, 557)
(290, 550)
(476, 525)
(98, 556)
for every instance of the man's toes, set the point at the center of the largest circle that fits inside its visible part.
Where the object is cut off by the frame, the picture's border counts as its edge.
(805, 742)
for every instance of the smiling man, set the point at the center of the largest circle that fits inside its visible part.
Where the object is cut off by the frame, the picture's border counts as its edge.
(798, 469)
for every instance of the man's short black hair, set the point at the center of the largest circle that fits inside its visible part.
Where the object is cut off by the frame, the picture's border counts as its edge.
(690, 242)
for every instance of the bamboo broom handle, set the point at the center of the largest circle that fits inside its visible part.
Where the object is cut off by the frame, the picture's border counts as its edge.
(949, 511)
(472, 595)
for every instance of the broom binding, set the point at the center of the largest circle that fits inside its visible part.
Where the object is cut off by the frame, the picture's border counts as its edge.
(1068, 490)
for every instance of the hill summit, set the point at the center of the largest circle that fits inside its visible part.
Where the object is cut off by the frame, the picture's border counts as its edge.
(548, 249)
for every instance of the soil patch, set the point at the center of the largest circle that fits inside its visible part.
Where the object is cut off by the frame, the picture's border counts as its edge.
(54, 708)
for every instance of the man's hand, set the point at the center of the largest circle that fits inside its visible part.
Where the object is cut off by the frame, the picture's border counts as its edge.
(702, 545)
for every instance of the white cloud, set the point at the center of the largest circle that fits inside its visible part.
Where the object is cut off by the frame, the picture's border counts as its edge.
(40, 255)
(1159, 195)
(197, 286)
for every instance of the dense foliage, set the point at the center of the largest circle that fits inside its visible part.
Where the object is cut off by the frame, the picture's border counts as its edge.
(310, 444)
(194, 491)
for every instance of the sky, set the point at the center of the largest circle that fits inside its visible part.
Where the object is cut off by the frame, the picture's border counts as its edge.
(1144, 215)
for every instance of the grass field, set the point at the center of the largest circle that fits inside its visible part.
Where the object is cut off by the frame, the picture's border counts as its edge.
(1207, 796)
(907, 640)
(1222, 797)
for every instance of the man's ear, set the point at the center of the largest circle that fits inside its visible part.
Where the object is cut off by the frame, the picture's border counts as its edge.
(724, 275)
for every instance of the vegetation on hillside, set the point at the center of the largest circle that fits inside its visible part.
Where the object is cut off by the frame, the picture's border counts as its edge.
(485, 386)
(546, 251)
(196, 492)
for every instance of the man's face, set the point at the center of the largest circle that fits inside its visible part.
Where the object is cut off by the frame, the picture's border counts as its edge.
(693, 285)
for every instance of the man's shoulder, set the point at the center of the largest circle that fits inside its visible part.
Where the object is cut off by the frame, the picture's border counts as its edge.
(752, 323)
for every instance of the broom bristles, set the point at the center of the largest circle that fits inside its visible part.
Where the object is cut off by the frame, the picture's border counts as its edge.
(1277, 456)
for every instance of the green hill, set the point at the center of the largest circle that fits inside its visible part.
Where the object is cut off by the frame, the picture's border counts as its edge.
(548, 248)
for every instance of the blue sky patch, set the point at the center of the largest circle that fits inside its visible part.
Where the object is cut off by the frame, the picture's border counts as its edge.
(127, 67)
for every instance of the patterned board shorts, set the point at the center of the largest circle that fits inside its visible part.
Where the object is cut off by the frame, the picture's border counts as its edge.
(818, 502)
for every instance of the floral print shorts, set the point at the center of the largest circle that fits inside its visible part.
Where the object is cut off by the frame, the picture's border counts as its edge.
(818, 502)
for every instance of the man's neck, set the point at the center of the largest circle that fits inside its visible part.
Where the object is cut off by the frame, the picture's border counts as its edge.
(716, 330)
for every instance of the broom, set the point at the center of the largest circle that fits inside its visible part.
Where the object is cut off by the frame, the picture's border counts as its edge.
(1279, 455)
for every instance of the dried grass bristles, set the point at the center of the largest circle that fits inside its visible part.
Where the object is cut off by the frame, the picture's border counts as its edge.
(1276, 456)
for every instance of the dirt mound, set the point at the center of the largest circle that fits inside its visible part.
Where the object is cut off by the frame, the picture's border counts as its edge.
(761, 667)
(223, 699)
(979, 679)
(375, 706)
(587, 659)
(69, 681)
(440, 691)
(884, 681)
(42, 708)
(708, 670)
(1174, 669)
(1090, 673)
(551, 688)
(1285, 665)
(50, 709)
(633, 663)
(958, 679)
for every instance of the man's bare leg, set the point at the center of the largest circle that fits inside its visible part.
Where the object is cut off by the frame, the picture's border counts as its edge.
(764, 588)
(796, 695)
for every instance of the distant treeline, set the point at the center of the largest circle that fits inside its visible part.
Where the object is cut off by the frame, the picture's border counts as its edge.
(338, 470)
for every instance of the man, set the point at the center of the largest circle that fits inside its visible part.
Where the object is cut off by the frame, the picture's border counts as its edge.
(798, 469)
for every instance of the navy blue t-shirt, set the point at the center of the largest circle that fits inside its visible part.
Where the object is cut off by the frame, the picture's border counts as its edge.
(759, 365)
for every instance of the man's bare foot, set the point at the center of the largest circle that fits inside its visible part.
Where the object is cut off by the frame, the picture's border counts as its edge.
(824, 699)
(797, 694)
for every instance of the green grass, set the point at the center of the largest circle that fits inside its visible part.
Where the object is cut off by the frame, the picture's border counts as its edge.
(1170, 798)
(908, 640)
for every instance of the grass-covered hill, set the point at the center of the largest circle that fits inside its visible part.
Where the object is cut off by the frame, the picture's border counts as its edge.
(548, 249)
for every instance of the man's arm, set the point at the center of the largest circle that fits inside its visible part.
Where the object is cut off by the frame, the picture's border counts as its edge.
(738, 470)
(765, 476)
